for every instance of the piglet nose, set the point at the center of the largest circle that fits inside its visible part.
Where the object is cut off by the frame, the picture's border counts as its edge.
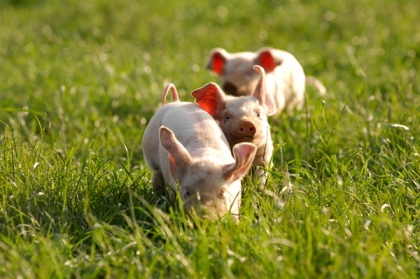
(230, 89)
(246, 129)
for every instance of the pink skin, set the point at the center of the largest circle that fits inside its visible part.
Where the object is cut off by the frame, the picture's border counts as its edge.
(285, 77)
(242, 119)
(175, 97)
(184, 143)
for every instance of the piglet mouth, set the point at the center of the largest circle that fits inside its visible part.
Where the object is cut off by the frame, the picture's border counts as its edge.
(236, 140)
(245, 138)
(211, 211)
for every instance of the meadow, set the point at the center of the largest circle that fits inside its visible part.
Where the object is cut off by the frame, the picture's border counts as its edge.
(79, 81)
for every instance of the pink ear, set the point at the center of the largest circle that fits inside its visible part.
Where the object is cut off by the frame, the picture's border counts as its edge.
(172, 167)
(179, 157)
(210, 98)
(267, 60)
(244, 154)
(218, 63)
(264, 97)
(217, 60)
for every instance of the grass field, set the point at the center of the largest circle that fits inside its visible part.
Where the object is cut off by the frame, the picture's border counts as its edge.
(79, 81)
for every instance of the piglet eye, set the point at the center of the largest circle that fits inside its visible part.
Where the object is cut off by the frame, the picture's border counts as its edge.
(220, 193)
(258, 113)
(250, 73)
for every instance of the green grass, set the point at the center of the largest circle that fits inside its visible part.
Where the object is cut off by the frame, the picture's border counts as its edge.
(79, 81)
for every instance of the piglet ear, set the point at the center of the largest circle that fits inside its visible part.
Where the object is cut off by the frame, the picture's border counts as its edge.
(217, 60)
(210, 98)
(179, 157)
(264, 97)
(267, 60)
(244, 154)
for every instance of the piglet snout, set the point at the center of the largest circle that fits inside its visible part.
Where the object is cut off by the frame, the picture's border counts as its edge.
(246, 129)
(230, 88)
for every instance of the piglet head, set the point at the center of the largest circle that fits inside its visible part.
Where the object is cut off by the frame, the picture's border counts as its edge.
(236, 69)
(242, 119)
(208, 187)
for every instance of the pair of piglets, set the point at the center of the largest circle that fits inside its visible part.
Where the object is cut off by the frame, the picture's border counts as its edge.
(183, 143)
(242, 119)
(285, 77)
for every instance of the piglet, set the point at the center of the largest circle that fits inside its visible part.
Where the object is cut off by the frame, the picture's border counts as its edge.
(174, 93)
(284, 74)
(183, 142)
(242, 119)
